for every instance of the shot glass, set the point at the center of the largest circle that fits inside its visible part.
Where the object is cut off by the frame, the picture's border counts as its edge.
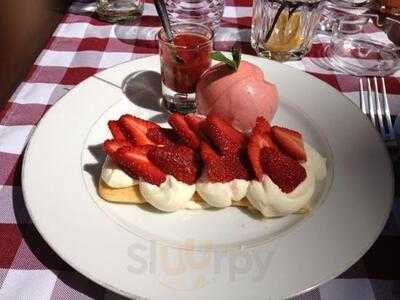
(183, 61)
(283, 29)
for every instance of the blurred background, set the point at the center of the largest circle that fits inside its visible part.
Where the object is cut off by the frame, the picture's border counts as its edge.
(26, 25)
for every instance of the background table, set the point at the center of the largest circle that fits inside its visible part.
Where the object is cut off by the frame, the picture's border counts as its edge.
(82, 46)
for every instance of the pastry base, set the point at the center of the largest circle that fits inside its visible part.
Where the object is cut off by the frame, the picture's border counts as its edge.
(132, 195)
(129, 195)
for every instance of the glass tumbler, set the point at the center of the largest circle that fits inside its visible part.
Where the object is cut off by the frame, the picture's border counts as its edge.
(206, 12)
(183, 61)
(354, 50)
(283, 30)
(119, 10)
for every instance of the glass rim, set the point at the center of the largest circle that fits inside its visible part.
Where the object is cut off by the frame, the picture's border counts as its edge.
(204, 44)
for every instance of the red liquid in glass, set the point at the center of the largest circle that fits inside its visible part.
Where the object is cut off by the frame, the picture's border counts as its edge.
(181, 74)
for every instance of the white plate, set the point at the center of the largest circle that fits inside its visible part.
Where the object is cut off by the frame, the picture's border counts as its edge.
(211, 253)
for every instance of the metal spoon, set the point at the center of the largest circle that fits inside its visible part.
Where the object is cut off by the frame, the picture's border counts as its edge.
(162, 13)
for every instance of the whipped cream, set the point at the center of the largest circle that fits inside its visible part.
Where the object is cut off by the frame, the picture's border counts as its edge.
(194, 205)
(180, 192)
(315, 162)
(171, 195)
(114, 177)
(269, 199)
(221, 194)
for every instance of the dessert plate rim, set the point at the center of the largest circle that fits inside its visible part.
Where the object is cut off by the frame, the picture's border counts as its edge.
(343, 228)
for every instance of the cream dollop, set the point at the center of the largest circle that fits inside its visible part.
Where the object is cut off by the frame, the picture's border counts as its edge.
(220, 194)
(269, 199)
(171, 195)
(316, 162)
(195, 205)
(114, 177)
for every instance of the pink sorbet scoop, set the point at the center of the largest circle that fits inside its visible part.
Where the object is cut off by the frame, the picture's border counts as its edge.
(238, 96)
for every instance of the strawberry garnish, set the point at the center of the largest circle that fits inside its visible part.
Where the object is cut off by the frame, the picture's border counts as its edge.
(112, 146)
(134, 161)
(259, 139)
(223, 168)
(196, 123)
(178, 161)
(162, 136)
(240, 161)
(283, 170)
(226, 138)
(117, 131)
(262, 126)
(187, 135)
(137, 129)
(290, 142)
(207, 153)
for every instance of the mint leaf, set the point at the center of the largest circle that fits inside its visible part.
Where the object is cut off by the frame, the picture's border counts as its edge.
(218, 56)
(236, 55)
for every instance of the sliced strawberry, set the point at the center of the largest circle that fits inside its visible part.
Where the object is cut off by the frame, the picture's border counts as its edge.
(112, 146)
(117, 131)
(134, 161)
(213, 166)
(137, 129)
(223, 135)
(256, 143)
(223, 168)
(178, 161)
(283, 170)
(162, 136)
(241, 164)
(207, 153)
(290, 142)
(197, 124)
(188, 136)
(262, 126)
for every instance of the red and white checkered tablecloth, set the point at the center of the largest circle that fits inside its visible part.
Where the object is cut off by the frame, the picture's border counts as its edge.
(82, 46)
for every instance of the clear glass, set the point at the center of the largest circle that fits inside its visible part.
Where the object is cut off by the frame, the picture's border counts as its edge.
(335, 9)
(119, 10)
(354, 50)
(349, 3)
(206, 12)
(282, 30)
(182, 64)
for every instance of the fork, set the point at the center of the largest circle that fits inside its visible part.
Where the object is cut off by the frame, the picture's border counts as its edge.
(374, 108)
